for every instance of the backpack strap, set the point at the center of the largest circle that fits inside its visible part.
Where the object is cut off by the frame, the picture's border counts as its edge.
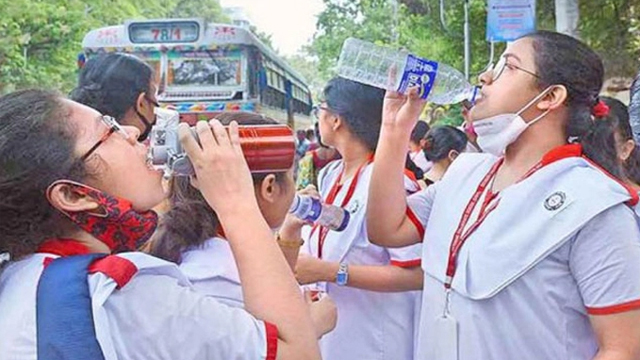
(64, 316)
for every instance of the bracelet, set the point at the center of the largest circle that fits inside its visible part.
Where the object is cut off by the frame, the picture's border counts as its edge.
(291, 244)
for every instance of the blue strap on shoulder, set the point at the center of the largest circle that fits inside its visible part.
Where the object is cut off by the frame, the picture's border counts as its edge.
(64, 316)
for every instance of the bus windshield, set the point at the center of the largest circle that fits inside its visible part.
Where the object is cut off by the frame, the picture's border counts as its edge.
(204, 69)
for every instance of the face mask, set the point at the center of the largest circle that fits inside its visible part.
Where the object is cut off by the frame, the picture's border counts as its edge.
(115, 222)
(147, 124)
(497, 132)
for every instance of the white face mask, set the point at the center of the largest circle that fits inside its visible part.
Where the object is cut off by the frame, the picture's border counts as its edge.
(497, 132)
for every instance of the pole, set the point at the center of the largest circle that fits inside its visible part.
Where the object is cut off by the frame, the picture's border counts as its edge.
(467, 40)
(395, 34)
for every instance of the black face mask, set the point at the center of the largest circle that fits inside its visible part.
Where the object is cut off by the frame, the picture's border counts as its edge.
(316, 131)
(147, 124)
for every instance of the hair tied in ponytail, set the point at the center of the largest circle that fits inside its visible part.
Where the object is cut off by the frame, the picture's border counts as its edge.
(600, 110)
(427, 144)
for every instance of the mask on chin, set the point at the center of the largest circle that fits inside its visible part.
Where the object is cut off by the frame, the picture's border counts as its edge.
(114, 222)
(497, 132)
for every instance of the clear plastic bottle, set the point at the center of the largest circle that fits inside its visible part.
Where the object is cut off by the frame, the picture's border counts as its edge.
(313, 210)
(370, 64)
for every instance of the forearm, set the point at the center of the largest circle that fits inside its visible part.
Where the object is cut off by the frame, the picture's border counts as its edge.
(381, 278)
(386, 209)
(290, 234)
(269, 288)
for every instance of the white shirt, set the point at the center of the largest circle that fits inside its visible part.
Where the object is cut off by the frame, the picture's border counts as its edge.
(213, 271)
(371, 325)
(154, 316)
(420, 159)
(528, 299)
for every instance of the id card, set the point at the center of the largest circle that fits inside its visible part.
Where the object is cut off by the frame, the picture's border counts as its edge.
(446, 338)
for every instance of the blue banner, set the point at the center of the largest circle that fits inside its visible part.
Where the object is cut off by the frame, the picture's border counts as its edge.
(507, 20)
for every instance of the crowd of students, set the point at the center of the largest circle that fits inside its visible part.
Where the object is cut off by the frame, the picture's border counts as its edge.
(515, 237)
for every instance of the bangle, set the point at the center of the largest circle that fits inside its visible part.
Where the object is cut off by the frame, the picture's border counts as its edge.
(291, 244)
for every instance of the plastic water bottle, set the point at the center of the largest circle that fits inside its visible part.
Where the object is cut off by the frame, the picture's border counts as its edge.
(313, 210)
(370, 64)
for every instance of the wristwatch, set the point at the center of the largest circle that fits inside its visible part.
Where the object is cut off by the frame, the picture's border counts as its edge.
(343, 274)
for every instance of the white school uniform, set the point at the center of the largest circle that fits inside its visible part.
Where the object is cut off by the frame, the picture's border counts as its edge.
(156, 315)
(213, 271)
(420, 159)
(561, 245)
(371, 325)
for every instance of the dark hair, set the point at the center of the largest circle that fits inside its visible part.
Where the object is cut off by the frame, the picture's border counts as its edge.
(419, 132)
(563, 60)
(618, 120)
(37, 145)
(411, 166)
(359, 105)
(440, 140)
(310, 134)
(111, 83)
(190, 220)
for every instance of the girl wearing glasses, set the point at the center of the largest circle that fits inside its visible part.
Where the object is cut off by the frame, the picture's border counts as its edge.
(530, 251)
(121, 86)
(75, 188)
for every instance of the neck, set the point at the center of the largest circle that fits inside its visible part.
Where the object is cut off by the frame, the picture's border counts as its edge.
(437, 171)
(414, 147)
(93, 244)
(525, 153)
(354, 154)
(530, 147)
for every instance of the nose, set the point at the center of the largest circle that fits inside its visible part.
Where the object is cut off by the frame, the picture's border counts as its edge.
(133, 133)
(486, 77)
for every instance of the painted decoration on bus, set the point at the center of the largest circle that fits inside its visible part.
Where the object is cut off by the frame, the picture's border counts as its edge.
(207, 68)
(164, 32)
(185, 107)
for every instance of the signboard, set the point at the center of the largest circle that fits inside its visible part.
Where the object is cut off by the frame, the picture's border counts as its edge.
(507, 20)
(164, 32)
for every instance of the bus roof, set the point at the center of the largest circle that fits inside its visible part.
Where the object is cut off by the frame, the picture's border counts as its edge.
(117, 38)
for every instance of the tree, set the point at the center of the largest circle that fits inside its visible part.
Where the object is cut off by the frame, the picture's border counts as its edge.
(40, 39)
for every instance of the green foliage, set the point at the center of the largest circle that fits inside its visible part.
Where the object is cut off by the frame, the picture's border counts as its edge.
(40, 39)
(611, 27)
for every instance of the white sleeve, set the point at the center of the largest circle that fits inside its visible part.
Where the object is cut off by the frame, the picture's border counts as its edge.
(406, 257)
(419, 207)
(605, 262)
(155, 318)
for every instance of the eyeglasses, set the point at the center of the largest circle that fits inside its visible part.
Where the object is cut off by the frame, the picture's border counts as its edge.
(316, 111)
(113, 127)
(498, 69)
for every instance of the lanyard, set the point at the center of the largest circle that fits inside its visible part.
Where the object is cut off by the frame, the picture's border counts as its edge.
(333, 193)
(491, 202)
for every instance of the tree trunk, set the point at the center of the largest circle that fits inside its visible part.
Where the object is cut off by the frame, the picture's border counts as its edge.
(567, 17)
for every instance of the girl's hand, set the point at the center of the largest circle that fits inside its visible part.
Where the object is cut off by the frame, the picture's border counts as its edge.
(310, 269)
(324, 313)
(402, 111)
(223, 176)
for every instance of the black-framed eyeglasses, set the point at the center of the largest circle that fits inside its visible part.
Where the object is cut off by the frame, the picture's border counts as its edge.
(498, 69)
(316, 111)
(113, 127)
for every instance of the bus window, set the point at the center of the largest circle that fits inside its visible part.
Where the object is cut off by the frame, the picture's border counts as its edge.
(204, 69)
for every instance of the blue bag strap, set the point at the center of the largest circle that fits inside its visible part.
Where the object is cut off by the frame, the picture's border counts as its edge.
(64, 316)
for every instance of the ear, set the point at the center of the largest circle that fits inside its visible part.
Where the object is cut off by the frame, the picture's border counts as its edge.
(423, 143)
(336, 122)
(555, 98)
(140, 102)
(453, 155)
(67, 198)
(627, 149)
(269, 189)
